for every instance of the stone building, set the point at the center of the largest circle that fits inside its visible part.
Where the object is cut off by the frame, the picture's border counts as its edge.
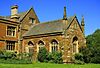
(14, 26)
(65, 35)
(27, 34)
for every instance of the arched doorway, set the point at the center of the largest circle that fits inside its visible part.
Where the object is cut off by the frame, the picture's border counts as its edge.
(54, 46)
(75, 45)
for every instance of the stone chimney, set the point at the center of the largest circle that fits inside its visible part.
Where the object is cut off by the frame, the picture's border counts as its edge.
(14, 13)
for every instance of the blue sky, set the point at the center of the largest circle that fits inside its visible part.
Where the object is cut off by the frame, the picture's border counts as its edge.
(48, 10)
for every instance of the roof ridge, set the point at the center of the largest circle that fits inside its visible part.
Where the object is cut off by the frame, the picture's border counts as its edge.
(46, 22)
(48, 27)
(57, 19)
(52, 21)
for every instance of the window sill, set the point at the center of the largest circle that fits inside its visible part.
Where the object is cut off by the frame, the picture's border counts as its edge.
(10, 36)
(10, 50)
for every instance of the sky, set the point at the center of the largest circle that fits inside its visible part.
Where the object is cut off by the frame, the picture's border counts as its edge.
(48, 10)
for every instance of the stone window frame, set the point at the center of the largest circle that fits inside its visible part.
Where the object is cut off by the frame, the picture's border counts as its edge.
(75, 25)
(40, 46)
(75, 45)
(10, 45)
(30, 42)
(12, 29)
(54, 47)
(31, 20)
(29, 46)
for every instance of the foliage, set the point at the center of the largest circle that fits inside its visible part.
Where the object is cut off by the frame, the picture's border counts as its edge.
(79, 56)
(86, 54)
(14, 58)
(42, 55)
(7, 55)
(57, 57)
(24, 56)
(78, 62)
(49, 57)
(94, 39)
(91, 53)
(93, 44)
(95, 58)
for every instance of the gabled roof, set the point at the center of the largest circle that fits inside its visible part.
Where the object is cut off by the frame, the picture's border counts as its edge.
(48, 27)
(72, 21)
(21, 15)
(25, 14)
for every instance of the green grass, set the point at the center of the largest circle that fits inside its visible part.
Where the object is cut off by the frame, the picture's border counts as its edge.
(49, 65)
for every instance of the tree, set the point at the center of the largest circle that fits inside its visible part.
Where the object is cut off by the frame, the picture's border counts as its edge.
(92, 52)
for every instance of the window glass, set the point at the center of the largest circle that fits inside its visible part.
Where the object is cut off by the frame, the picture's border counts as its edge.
(10, 31)
(40, 44)
(31, 20)
(54, 45)
(10, 45)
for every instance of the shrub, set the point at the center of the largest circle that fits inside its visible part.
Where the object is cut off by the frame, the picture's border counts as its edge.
(79, 56)
(13, 58)
(57, 57)
(87, 53)
(42, 55)
(95, 60)
(79, 62)
(15, 61)
(49, 57)
(7, 55)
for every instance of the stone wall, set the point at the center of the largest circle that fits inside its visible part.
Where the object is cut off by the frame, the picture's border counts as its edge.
(65, 41)
(3, 33)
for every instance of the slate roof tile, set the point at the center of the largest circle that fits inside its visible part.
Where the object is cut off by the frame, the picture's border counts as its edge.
(48, 27)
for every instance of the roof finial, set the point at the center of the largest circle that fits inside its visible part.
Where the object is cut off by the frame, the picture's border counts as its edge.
(82, 22)
(65, 15)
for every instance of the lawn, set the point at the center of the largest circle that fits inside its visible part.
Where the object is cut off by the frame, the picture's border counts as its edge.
(49, 65)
